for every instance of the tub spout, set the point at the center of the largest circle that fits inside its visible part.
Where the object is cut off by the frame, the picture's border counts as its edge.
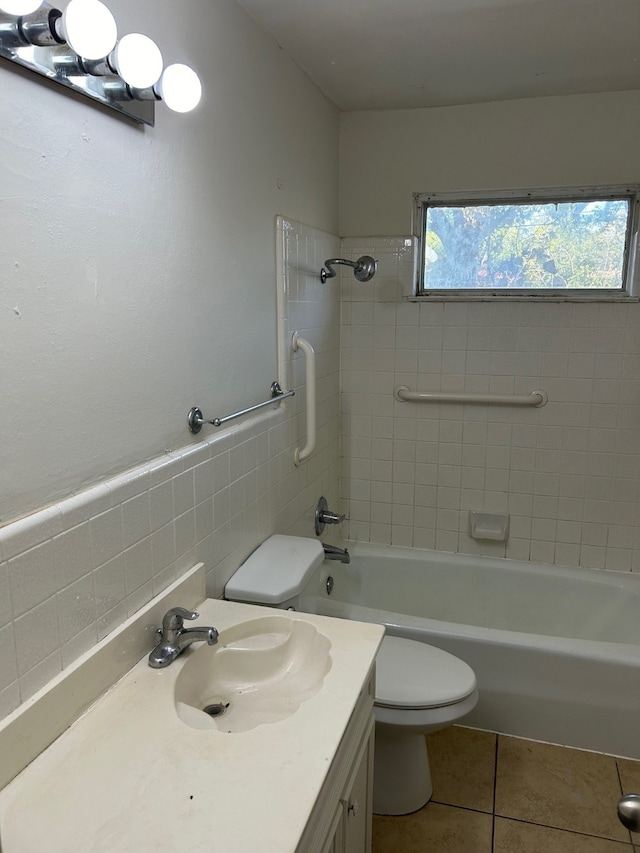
(331, 552)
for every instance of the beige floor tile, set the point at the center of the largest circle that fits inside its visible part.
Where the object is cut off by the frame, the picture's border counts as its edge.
(629, 775)
(433, 829)
(557, 787)
(463, 767)
(511, 836)
(630, 779)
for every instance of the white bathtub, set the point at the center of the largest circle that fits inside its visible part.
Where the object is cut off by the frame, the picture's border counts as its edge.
(556, 650)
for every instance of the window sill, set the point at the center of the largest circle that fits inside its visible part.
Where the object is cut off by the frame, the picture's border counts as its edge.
(521, 297)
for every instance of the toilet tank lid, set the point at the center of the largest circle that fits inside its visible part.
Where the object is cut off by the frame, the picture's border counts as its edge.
(276, 571)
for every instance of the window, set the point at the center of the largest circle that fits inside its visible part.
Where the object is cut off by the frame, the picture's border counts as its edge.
(559, 244)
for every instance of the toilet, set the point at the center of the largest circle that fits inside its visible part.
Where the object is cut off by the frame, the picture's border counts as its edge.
(419, 688)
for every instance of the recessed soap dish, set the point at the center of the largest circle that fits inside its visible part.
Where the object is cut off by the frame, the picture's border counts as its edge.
(489, 525)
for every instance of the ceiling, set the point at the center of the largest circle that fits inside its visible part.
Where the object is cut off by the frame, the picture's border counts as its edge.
(394, 54)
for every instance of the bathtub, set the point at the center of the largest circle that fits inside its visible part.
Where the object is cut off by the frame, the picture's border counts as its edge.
(556, 650)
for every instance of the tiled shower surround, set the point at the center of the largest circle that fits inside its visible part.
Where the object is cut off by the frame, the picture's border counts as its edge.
(568, 473)
(74, 571)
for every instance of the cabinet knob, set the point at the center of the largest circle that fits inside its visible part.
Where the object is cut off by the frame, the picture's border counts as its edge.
(352, 808)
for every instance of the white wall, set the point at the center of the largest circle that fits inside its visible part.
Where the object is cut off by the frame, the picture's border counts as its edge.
(73, 571)
(137, 266)
(387, 156)
(568, 474)
(138, 277)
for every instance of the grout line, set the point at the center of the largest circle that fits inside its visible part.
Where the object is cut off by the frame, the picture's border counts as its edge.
(455, 806)
(570, 831)
(619, 777)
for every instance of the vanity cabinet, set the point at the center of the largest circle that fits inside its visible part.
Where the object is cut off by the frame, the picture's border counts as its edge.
(341, 819)
(316, 764)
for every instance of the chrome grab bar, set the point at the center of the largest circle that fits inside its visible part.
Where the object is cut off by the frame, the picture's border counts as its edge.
(535, 398)
(196, 419)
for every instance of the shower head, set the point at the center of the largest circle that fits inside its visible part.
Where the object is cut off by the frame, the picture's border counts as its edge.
(364, 268)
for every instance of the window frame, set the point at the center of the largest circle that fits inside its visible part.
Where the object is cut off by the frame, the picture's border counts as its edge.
(631, 267)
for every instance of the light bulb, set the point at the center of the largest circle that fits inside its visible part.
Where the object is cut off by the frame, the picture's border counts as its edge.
(19, 7)
(89, 28)
(180, 88)
(138, 60)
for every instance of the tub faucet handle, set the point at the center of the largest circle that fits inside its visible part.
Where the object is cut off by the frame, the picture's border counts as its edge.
(331, 517)
(325, 516)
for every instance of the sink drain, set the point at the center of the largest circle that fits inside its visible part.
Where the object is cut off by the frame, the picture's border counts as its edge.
(216, 709)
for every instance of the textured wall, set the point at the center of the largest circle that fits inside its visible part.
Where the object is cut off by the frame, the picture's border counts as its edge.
(138, 277)
(387, 156)
(137, 265)
(75, 570)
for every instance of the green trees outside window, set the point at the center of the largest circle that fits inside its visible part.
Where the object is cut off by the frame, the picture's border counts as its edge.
(515, 246)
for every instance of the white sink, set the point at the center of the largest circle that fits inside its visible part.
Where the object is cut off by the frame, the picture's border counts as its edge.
(260, 672)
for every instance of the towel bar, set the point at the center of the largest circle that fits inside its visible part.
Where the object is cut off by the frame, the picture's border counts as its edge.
(196, 419)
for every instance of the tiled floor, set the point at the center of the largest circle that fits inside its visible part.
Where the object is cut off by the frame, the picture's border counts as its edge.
(499, 794)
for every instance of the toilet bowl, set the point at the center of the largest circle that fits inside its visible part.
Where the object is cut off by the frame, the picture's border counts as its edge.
(419, 688)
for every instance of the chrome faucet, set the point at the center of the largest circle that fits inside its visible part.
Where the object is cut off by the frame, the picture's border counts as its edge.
(174, 637)
(332, 552)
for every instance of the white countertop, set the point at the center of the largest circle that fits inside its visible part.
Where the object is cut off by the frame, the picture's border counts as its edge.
(129, 775)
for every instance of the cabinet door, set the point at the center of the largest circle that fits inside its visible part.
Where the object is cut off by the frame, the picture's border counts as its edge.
(357, 804)
(335, 839)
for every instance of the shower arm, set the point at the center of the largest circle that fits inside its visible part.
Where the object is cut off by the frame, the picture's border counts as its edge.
(364, 268)
(329, 272)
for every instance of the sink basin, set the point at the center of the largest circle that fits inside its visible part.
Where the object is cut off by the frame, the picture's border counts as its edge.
(260, 672)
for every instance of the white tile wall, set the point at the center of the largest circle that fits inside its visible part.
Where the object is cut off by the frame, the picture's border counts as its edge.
(311, 308)
(72, 572)
(568, 473)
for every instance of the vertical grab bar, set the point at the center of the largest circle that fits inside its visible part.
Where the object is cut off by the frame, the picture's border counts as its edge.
(310, 371)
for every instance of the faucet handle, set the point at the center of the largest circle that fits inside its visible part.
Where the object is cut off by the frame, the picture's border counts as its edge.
(172, 619)
(331, 517)
(325, 516)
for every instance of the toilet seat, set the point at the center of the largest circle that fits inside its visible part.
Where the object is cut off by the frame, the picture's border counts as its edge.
(412, 675)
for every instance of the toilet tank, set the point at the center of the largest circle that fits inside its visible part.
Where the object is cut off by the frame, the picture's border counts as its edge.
(277, 571)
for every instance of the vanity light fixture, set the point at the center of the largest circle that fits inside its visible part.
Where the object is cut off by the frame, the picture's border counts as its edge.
(88, 27)
(19, 7)
(79, 49)
(180, 88)
(137, 59)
